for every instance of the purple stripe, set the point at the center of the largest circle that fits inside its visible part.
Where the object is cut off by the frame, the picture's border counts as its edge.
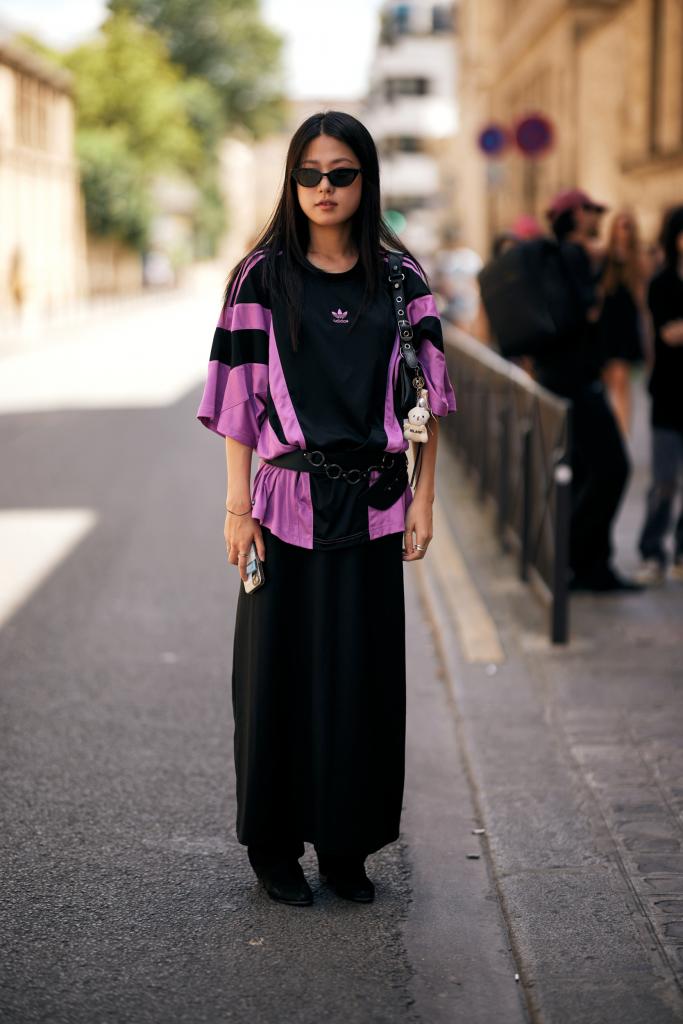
(413, 266)
(237, 284)
(214, 389)
(433, 362)
(392, 428)
(419, 308)
(281, 397)
(282, 502)
(248, 316)
(270, 445)
(234, 400)
(432, 359)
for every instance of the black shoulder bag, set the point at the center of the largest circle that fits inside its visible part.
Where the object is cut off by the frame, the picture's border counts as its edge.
(410, 378)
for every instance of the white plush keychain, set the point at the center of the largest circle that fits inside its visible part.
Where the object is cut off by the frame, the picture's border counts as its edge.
(415, 427)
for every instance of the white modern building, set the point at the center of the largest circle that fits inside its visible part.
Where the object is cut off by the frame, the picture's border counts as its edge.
(412, 114)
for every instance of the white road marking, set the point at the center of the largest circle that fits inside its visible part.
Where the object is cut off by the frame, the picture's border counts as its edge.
(32, 544)
(477, 632)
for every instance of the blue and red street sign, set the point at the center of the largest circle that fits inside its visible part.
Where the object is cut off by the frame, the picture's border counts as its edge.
(534, 135)
(493, 140)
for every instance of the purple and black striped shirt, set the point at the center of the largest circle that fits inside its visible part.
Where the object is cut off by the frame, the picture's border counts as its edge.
(334, 393)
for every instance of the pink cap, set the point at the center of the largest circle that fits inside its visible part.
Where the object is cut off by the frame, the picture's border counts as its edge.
(572, 199)
(525, 227)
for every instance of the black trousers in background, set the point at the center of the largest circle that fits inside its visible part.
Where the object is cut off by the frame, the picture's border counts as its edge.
(667, 474)
(601, 469)
(319, 699)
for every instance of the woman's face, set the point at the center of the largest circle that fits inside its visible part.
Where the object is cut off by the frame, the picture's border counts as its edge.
(325, 153)
(623, 230)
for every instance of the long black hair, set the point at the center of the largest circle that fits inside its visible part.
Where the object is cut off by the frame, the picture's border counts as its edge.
(672, 227)
(285, 236)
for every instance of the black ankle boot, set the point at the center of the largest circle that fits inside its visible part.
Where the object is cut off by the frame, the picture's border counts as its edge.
(283, 879)
(346, 877)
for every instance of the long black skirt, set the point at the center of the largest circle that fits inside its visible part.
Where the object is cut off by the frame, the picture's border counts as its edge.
(319, 698)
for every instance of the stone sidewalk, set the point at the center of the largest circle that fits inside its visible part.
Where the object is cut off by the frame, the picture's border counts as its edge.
(577, 763)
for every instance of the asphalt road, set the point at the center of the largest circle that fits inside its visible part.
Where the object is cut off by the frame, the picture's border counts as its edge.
(125, 896)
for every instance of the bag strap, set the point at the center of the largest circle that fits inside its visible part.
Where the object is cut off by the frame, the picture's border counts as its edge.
(405, 331)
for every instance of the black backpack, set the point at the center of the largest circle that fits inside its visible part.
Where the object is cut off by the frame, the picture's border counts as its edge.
(531, 298)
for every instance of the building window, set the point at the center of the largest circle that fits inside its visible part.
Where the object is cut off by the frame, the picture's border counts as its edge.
(31, 111)
(401, 16)
(443, 18)
(397, 21)
(393, 144)
(394, 87)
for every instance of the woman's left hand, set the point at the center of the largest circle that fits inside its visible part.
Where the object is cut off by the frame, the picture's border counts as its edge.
(418, 532)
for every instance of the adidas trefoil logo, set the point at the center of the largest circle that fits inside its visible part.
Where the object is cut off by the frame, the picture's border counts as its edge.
(340, 316)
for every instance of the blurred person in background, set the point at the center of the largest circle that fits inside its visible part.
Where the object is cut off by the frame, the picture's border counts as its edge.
(503, 242)
(572, 368)
(455, 280)
(623, 321)
(524, 229)
(480, 326)
(301, 369)
(665, 300)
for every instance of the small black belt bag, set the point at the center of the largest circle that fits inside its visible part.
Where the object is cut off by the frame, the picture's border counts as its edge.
(352, 467)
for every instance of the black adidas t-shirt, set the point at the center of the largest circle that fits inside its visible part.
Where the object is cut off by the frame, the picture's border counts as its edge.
(337, 379)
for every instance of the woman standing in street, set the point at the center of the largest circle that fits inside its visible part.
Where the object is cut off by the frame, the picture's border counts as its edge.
(302, 369)
(622, 319)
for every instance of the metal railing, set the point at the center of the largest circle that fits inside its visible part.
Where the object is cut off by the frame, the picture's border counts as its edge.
(513, 436)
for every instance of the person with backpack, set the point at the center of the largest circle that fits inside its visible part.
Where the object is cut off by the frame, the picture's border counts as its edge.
(542, 301)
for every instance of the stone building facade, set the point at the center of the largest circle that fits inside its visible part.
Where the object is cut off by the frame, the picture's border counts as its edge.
(42, 233)
(608, 74)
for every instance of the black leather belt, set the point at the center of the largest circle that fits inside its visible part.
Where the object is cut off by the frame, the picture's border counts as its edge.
(352, 467)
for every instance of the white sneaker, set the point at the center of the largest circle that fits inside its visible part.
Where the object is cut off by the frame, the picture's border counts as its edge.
(676, 571)
(652, 573)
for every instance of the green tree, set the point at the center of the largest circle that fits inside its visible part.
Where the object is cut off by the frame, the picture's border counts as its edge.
(116, 198)
(225, 43)
(124, 81)
(137, 115)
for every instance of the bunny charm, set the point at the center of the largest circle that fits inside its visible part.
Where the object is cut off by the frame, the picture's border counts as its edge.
(415, 427)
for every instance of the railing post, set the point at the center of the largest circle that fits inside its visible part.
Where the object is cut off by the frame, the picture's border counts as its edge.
(471, 428)
(525, 525)
(559, 632)
(484, 443)
(503, 474)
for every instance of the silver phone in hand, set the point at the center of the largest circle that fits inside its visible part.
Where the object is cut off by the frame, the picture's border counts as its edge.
(255, 573)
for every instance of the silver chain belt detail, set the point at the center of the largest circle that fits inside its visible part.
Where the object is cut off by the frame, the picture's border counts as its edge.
(352, 476)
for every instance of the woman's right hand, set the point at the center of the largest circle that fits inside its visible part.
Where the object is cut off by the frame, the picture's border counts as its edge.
(239, 532)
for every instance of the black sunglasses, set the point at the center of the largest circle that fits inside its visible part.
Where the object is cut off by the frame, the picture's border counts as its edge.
(340, 177)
